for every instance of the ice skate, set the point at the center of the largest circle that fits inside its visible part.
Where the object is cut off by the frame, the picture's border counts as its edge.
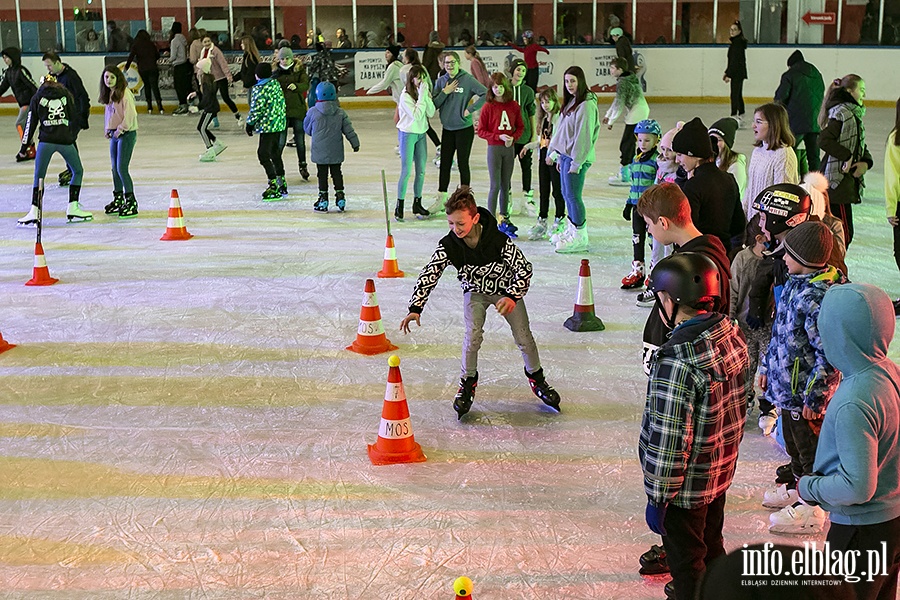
(398, 211)
(578, 242)
(799, 518)
(646, 299)
(768, 421)
(562, 229)
(465, 395)
(437, 157)
(209, 155)
(31, 219)
(635, 279)
(417, 209)
(622, 179)
(282, 187)
(784, 474)
(304, 172)
(272, 192)
(438, 205)
(340, 200)
(129, 208)
(539, 231)
(65, 178)
(218, 147)
(780, 496)
(542, 389)
(115, 206)
(529, 209)
(506, 227)
(292, 143)
(653, 562)
(74, 212)
(321, 205)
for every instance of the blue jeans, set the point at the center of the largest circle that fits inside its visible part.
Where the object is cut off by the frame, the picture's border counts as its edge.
(46, 151)
(572, 185)
(413, 152)
(120, 150)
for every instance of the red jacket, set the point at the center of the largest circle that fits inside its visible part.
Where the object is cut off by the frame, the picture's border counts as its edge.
(498, 118)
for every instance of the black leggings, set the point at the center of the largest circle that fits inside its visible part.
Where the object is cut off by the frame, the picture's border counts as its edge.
(337, 177)
(222, 84)
(531, 78)
(181, 79)
(638, 235)
(737, 96)
(269, 154)
(151, 86)
(548, 178)
(627, 145)
(525, 164)
(458, 142)
(433, 136)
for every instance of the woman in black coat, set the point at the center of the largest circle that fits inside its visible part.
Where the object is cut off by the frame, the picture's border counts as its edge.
(736, 71)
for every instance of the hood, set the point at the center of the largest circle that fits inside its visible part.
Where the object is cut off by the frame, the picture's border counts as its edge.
(327, 107)
(52, 91)
(14, 54)
(795, 58)
(490, 235)
(856, 324)
(698, 342)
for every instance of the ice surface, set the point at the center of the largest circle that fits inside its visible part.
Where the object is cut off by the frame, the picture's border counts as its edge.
(181, 420)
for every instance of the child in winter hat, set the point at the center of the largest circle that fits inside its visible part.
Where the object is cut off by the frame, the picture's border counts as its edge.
(809, 244)
(693, 140)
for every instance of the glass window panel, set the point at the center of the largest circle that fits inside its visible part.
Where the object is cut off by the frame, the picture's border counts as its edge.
(331, 16)
(537, 17)
(495, 18)
(694, 22)
(654, 22)
(376, 19)
(415, 20)
(128, 19)
(890, 31)
(459, 25)
(610, 15)
(40, 26)
(859, 22)
(574, 22)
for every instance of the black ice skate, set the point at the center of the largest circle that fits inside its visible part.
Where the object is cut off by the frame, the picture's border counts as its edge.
(653, 562)
(304, 172)
(271, 193)
(340, 200)
(74, 212)
(542, 389)
(398, 211)
(65, 178)
(321, 205)
(129, 208)
(784, 474)
(464, 397)
(417, 209)
(116, 205)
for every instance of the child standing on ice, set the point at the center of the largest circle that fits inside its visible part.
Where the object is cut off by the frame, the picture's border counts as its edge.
(209, 109)
(643, 175)
(267, 118)
(121, 130)
(492, 271)
(630, 105)
(548, 176)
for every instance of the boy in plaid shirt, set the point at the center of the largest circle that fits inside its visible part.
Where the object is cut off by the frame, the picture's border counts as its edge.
(693, 419)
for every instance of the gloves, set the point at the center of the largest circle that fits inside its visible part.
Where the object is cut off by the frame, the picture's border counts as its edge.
(249, 129)
(626, 212)
(754, 323)
(655, 515)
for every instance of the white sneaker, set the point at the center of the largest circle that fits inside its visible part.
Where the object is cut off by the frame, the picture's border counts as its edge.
(31, 219)
(799, 518)
(767, 422)
(218, 147)
(780, 496)
(578, 242)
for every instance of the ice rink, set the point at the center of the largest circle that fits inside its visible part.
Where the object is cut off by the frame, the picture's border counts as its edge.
(181, 419)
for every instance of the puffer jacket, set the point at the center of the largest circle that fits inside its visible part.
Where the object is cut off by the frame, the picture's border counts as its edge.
(17, 78)
(266, 107)
(795, 364)
(327, 123)
(294, 100)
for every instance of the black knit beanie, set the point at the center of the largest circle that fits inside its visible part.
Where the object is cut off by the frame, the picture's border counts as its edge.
(264, 70)
(693, 140)
(725, 129)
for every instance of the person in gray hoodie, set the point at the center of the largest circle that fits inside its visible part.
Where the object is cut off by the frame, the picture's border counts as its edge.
(857, 468)
(452, 94)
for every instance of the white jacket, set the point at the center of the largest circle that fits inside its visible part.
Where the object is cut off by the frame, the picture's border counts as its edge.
(414, 114)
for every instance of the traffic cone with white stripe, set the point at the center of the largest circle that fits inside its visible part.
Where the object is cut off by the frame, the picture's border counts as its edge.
(41, 274)
(390, 268)
(4, 345)
(396, 443)
(175, 229)
(584, 319)
(370, 337)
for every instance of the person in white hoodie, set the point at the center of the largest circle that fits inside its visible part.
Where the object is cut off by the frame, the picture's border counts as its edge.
(391, 78)
(413, 110)
(633, 108)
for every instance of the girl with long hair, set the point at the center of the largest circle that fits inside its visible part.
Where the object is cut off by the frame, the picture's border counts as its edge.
(414, 109)
(843, 142)
(250, 60)
(773, 160)
(221, 73)
(572, 149)
(121, 125)
(736, 70)
(548, 177)
(146, 54)
(411, 59)
(892, 188)
(722, 131)
(500, 125)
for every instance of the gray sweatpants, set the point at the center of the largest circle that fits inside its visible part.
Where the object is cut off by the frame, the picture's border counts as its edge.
(475, 307)
(500, 162)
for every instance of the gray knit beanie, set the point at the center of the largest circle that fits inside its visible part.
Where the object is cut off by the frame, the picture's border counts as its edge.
(810, 244)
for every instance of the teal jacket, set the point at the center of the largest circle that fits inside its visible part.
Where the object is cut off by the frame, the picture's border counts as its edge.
(267, 109)
(858, 456)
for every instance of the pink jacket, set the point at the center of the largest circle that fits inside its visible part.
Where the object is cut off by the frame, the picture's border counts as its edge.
(220, 68)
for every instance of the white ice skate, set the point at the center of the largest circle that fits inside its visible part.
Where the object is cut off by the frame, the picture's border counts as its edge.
(209, 155)
(800, 518)
(530, 209)
(31, 219)
(779, 497)
(74, 213)
(218, 147)
(577, 242)
(539, 231)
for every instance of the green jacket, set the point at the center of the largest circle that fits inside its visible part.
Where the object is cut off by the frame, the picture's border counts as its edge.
(267, 109)
(294, 100)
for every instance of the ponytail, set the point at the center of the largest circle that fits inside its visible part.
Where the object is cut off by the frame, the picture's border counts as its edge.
(847, 82)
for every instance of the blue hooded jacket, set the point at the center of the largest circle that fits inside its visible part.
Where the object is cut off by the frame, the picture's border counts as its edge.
(858, 457)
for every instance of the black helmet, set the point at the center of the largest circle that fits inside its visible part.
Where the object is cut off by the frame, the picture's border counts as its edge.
(786, 205)
(687, 277)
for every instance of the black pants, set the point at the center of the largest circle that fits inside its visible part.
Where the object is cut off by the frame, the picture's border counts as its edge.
(181, 79)
(269, 154)
(525, 165)
(627, 145)
(203, 127)
(869, 537)
(801, 438)
(296, 124)
(337, 177)
(844, 212)
(222, 84)
(694, 540)
(810, 143)
(455, 142)
(151, 86)
(548, 178)
(433, 136)
(531, 78)
(638, 235)
(737, 96)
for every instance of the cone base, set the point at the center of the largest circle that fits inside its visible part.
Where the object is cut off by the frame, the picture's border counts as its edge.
(41, 279)
(584, 322)
(4, 346)
(178, 236)
(385, 273)
(379, 457)
(370, 350)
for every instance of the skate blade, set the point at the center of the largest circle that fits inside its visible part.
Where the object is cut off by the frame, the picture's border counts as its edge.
(76, 219)
(796, 530)
(27, 224)
(128, 217)
(653, 573)
(222, 150)
(555, 407)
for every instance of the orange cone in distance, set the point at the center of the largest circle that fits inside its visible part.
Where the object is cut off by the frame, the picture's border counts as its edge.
(370, 337)
(583, 318)
(175, 229)
(41, 274)
(463, 588)
(390, 268)
(4, 345)
(395, 444)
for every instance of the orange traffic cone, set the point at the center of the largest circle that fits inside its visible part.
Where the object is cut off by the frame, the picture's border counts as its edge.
(175, 226)
(395, 444)
(370, 337)
(463, 588)
(390, 268)
(584, 319)
(4, 345)
(41, 275)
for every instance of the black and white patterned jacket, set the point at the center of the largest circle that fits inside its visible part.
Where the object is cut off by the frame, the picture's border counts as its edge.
(494, 266)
